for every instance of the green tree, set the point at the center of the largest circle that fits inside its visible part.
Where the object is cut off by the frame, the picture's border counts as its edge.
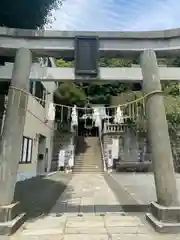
(115, 62)
(27, 14)
(69, 94)
(176, 62)
(62, 63)
(102, 93)
(98, 94)
(80, 94)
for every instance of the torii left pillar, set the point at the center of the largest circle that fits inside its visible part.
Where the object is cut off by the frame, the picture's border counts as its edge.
(11, 142)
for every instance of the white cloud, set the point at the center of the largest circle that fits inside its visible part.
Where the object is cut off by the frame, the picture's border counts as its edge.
(118, 15)
(162, 16)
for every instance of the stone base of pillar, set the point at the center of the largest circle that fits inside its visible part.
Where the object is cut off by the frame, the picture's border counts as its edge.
(164, 219)
(10, 218)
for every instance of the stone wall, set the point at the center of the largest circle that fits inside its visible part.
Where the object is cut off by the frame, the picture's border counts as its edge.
(62, 141)
(133, 146)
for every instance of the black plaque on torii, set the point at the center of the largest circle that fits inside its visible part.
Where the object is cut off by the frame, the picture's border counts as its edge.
(86, 56)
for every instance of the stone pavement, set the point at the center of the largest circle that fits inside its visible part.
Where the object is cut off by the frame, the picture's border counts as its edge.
(136, 184)
(88, 210)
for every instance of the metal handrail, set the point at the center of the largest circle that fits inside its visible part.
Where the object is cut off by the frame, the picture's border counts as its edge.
(102, 153)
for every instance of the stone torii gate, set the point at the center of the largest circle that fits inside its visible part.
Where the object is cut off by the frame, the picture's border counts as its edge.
(165, 214)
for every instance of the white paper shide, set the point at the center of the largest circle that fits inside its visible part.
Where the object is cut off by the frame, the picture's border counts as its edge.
(51, 112)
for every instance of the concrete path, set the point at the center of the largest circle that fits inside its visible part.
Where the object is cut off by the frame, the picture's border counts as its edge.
(136, 184)
(88, 210)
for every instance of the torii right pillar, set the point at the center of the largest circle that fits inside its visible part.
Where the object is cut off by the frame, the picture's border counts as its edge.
(165, 213)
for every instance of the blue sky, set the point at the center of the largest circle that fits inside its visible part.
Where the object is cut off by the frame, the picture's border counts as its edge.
(117, 15)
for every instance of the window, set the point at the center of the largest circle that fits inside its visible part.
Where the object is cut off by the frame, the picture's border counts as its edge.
(32, 87)
(37, 89)
(26, 155)
(40, 92)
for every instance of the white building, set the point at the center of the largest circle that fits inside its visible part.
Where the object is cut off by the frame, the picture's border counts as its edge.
(37, 142)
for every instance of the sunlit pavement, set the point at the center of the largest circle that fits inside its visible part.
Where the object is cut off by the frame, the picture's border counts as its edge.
(89, 210)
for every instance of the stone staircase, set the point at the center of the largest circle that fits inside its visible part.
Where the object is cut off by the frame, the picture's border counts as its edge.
(88, 155)
(94, 227)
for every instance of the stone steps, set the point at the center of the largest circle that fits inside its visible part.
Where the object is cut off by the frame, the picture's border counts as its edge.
(86, 161)
(88, 156)
(85, 170)
(88, 164)
(87, 226)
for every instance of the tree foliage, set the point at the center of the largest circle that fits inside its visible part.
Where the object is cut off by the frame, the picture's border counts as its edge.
(95, 93)
(61, 63)
(27, 14)
(101, 94)
(172, 100)
(116, 62)
(69, 94)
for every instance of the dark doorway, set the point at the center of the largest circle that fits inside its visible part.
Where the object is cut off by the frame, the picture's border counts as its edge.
(87, 130)
(41, 155)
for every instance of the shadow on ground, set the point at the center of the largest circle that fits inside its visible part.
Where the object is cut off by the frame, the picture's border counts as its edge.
(81, 145)
(127, 201)
(38, 195)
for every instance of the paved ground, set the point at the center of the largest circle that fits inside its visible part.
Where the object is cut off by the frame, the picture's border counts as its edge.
(88, 210)
(140, 186)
